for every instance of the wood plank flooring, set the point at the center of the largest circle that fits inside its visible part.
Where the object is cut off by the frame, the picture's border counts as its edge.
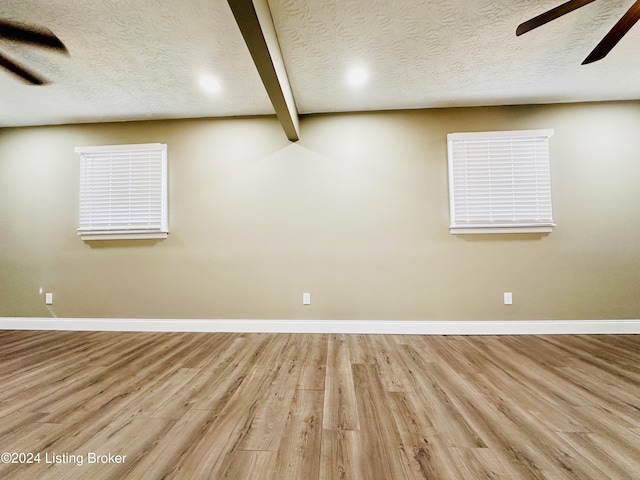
(303, 407)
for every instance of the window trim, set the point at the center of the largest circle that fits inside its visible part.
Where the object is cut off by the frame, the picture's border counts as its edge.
(158, 231)
(457, 228)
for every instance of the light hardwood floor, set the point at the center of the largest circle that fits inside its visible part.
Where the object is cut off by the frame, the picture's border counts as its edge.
(301, 407)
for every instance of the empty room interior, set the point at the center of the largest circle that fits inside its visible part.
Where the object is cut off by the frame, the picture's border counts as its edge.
(313, 239)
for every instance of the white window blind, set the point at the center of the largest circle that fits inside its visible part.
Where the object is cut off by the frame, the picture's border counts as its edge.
(123, 191)
(500, 182)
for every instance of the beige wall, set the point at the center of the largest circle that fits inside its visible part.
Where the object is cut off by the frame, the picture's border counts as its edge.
(356, 213)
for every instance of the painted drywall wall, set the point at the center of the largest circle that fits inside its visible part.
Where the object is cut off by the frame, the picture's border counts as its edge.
(356, 213)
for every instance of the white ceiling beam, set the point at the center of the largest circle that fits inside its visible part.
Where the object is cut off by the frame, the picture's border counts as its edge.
(256, 25)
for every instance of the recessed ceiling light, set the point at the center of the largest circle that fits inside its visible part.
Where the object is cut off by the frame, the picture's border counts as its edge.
(357, 77)
(210, 84)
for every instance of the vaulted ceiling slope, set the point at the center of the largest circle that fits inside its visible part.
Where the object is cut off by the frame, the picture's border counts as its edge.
(142, 59)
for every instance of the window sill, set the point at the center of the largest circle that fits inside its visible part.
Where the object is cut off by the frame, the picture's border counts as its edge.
(122, 236)
(499, 230)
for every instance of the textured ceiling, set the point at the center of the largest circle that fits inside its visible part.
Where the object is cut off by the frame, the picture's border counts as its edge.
(130, 59)
(139, 59)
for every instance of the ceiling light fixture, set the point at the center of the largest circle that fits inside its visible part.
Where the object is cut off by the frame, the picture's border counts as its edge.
(210, 84)
(357, 77)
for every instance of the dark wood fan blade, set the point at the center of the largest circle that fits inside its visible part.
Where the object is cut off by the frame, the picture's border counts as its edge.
(40, 36)
(550, 15)
(618, 31)
(21, 72)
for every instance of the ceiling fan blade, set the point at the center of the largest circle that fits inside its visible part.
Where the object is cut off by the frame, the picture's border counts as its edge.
(21, 72)
(40, 36)
(618, 31)
(550, 15)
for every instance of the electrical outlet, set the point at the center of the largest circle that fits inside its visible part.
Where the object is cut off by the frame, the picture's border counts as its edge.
(508, 298)
(306, 299)
(48, 298)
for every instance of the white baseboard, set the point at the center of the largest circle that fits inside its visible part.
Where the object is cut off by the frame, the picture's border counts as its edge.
(400, 327)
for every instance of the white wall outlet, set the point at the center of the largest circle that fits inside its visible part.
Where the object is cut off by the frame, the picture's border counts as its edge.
(508, 298)
(306, 299)
(48, 298)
